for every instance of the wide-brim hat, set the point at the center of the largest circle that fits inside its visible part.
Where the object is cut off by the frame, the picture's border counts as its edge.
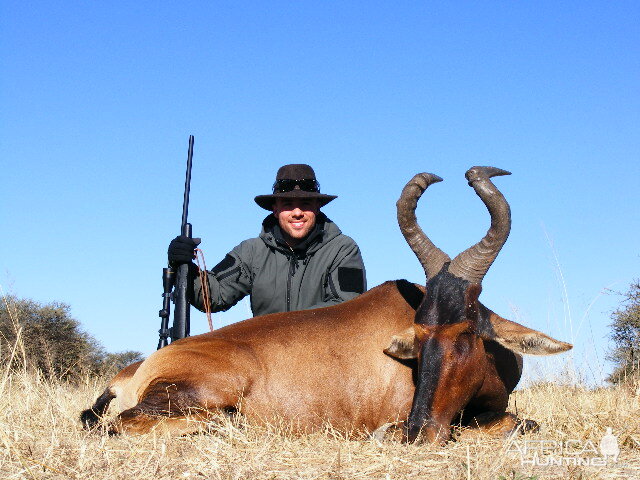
(296, 180)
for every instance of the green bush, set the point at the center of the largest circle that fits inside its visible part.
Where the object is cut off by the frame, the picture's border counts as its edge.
(626, 336)
(47, 339)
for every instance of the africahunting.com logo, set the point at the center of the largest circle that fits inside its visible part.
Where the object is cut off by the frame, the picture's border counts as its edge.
(545, 453)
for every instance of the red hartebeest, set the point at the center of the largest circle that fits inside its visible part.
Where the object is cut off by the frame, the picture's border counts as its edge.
(352, 365)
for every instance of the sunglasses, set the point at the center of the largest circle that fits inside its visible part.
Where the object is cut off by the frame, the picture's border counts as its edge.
(287, 185)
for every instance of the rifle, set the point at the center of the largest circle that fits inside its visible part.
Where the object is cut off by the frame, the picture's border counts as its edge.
(178, 279)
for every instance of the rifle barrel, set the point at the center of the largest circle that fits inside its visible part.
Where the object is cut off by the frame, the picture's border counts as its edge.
(187, 188)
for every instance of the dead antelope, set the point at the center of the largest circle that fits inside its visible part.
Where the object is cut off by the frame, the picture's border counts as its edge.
(391, 354)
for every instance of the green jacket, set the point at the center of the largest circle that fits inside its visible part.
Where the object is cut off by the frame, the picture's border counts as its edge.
(325, 269)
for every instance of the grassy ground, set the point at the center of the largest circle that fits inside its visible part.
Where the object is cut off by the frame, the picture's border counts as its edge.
(40, 437)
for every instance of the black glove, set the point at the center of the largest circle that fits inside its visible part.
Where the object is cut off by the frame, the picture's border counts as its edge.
(181, 250)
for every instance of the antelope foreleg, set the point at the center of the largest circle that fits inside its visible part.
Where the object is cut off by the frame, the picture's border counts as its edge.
(173, 408)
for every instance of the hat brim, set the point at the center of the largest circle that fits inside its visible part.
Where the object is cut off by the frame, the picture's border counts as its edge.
(266, 201)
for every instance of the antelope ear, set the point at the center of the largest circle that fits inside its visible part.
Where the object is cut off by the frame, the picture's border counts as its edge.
(521, 339)
(405, 345)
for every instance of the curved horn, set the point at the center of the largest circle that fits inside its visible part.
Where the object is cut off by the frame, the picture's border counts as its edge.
(474, 262)
(430, 256)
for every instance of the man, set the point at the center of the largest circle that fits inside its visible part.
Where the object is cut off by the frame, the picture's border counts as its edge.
(300, 260)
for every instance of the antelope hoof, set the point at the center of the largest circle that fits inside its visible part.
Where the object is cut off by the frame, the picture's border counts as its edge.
(527, 426)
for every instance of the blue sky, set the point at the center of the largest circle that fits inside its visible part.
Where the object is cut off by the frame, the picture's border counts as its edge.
(98, 101)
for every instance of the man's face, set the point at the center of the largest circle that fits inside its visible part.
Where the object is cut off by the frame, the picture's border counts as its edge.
(296, 217)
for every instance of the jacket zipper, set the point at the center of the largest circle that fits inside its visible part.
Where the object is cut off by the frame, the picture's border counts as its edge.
(291, 272)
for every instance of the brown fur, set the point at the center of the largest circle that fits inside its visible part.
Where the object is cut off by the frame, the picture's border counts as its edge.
(305, 368)
(308, 368)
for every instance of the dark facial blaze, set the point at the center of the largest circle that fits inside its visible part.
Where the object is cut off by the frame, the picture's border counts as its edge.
(451, 366)
(428, 375)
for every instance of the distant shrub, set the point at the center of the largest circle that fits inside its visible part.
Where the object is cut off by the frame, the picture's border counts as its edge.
(47, 339)
(112, 363)
(626, 336)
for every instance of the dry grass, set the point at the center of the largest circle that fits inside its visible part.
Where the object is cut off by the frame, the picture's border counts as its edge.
(40, 437)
